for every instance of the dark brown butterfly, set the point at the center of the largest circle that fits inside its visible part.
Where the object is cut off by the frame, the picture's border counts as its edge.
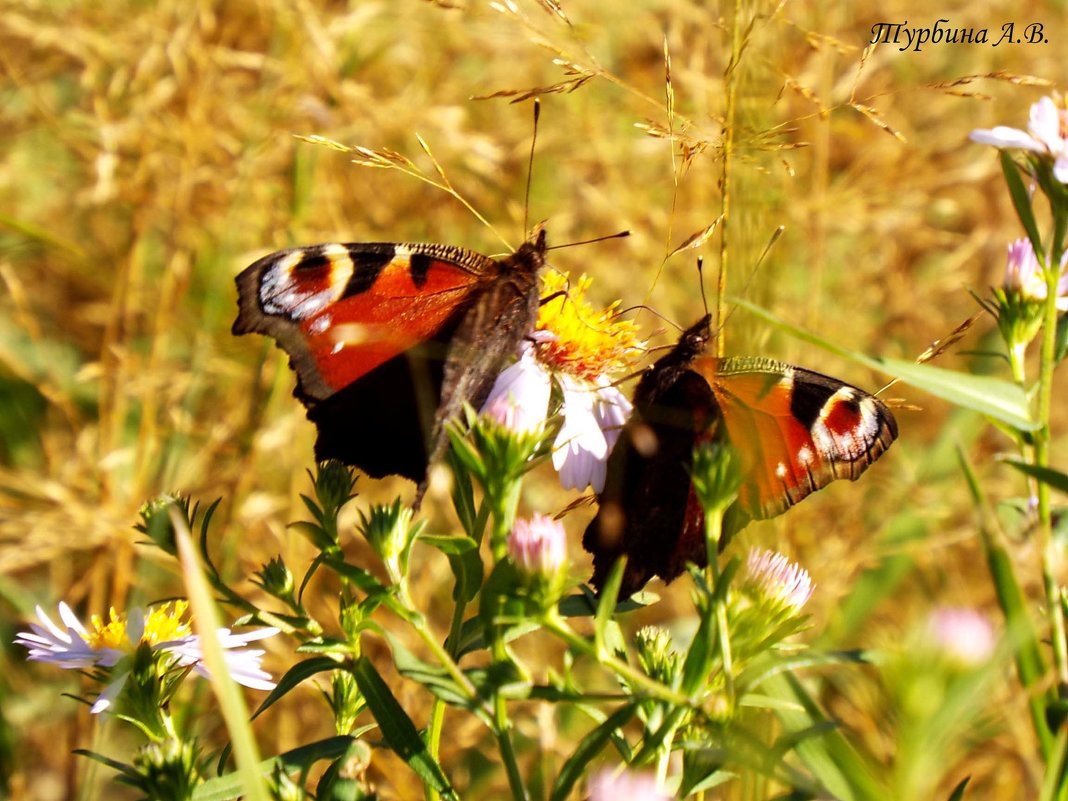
(793, 430)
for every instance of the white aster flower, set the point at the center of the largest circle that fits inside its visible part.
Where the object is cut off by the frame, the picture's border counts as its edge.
(578, 347)
(103, 645)
(1046, 134)
(519, 399)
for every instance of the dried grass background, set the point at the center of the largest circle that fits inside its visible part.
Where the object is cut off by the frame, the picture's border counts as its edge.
(147, 154)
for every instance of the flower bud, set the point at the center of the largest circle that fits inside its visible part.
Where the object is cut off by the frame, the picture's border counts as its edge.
(391, 532)
(773, 579)
(538, 546)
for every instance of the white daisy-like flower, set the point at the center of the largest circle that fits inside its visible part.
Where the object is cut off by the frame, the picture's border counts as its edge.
(519, 399)
(1046, 134)
(593, 417)
(578, 348)
(104, 644)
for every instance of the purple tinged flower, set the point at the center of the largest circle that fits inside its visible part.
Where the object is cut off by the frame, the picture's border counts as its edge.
(538, 546)
(1046, 134)
(104, 644)
(578, 347)
(519, 399)
(610, 785)
(964, 635)
(775, 578)
(593, 417)
(1023, 274)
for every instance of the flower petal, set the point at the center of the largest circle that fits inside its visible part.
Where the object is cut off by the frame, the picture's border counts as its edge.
(580, 448)
(519, 399)
(107, 698)
(1003, 136)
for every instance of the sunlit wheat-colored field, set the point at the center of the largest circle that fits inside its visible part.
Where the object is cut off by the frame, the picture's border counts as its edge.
(150, 151)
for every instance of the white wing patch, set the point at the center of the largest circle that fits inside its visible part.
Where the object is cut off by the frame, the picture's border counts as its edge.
(281, 294)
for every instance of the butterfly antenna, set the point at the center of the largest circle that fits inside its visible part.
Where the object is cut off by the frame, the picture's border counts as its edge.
(530, 165)
(618, 235)
(701, 281)
(752, 273)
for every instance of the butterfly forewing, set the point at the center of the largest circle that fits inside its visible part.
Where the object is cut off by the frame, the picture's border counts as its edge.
(795, 430)
(389, 340)
(341, 310)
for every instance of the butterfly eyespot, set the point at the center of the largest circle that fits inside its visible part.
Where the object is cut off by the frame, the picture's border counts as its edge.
(389, 341)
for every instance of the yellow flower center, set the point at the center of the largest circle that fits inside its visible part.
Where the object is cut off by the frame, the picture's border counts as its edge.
(162, 623)
(588, 343)
(111, 634)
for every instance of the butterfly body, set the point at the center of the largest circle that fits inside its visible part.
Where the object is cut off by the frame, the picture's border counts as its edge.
(388, 340)
(794, 431)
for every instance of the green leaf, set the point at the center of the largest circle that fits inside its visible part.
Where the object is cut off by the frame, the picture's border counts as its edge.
(1001, 400)
(958, 791)
(833, 761)
(606, 604)
(449, 544)
(993, 397)
(1047, 475)
(1030, 663)
(1021, 199)
(1060, 348)
(438, 680)
(294, 676)
(584, 603)
(468, 570)
(588, 748)
(397, 728)
(225, 788)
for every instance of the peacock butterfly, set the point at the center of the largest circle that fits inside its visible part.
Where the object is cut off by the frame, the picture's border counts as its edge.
(388, 340)
(793, 429)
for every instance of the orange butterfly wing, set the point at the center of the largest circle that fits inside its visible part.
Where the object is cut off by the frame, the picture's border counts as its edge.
(795, 430)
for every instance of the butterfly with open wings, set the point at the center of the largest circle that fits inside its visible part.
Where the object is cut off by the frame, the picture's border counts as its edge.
(388, 340)
(794, 431)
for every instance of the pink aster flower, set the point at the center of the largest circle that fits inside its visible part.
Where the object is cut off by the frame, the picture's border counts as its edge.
(775, 578)
(578, 348)
(1023, 274)
(538, 546)
(1046, 134)
(104, 644)
(609, 785)
(963, 635)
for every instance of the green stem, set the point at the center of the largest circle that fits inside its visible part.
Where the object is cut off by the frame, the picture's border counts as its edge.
(437, 711)
(503, 725)
(1050, 555)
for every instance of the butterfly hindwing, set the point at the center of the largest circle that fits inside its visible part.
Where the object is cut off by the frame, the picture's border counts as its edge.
(793, 430)
(389, 340)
